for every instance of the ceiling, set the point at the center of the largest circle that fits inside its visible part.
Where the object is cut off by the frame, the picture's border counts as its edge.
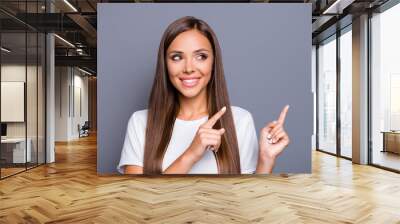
(76, 22)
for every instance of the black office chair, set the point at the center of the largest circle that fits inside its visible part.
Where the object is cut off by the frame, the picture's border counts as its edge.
(84, 130)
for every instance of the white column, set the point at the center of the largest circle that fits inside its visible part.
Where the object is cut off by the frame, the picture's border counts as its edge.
(50, 93)
(360, 90)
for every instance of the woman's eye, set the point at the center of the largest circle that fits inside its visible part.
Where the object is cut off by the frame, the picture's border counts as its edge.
(176, 57)
(202, 57)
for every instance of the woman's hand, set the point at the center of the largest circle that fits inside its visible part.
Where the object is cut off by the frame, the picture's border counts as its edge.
(207, 137)
(273, 140)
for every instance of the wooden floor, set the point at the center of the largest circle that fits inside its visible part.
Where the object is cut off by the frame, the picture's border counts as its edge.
(5, 172)
(70, 191)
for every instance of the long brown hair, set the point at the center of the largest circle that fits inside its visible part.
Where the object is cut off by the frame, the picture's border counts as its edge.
(164, 104)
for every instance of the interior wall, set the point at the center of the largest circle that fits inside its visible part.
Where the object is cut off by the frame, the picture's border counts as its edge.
(71, 102)
(14, 73)
(62, 80)
(80, 110)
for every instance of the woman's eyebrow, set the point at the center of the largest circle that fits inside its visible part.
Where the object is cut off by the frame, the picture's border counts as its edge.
(176, 52)
(199, 50)
(181, 52)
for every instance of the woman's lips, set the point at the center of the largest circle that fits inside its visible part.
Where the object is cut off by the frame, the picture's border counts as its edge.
(190, 82)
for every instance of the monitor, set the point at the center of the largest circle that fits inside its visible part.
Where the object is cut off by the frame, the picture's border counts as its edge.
(3, 129)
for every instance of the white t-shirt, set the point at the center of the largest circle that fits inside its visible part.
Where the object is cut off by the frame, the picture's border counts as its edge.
(182, 136)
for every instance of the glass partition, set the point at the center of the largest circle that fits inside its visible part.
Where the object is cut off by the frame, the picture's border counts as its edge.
(385, 89)
(31, 100)
(22, 88)
(327, 95)
(14, 153)
(41, 91)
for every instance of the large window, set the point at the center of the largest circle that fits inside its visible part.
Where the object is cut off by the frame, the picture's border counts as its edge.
(346, 92)
(385, 88)
(334, 63)
(327, 95)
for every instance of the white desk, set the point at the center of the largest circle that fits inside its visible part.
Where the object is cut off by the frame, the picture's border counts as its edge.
(19, 149)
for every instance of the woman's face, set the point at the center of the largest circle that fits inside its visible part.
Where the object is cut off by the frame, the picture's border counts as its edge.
(189, 63)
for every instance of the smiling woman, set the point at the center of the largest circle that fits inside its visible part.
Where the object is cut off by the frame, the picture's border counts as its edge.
(175, 136)
(189, 62)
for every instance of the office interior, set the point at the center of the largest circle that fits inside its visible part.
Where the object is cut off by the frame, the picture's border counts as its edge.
(48, 80)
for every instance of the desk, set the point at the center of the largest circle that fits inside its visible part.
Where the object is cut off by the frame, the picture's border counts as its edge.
(391, 141)
(17, 149)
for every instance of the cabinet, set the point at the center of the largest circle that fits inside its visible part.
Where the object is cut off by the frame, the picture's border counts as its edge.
(391, 141)
(13, 150)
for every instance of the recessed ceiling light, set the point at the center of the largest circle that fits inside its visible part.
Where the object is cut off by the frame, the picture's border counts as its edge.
(70, 5)
(5, 50)
(64, 40)
(338, 6)
(86, 72)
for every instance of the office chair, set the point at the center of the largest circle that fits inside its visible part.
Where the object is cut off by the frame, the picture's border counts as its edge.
(84, 130)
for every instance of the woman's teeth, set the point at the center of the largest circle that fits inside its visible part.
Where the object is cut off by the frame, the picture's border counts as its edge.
(190, 82)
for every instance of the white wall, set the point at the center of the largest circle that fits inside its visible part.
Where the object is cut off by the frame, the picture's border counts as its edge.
(62, 81)
(71, 93)
(15, 72)
(80, 110)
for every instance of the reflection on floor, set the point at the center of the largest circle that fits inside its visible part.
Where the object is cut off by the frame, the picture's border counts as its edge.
(70, 191)
(10, 169)
(386, 159)
(347, 152)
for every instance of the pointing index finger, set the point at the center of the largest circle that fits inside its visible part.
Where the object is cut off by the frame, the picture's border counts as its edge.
(211, 122)
(282, 116)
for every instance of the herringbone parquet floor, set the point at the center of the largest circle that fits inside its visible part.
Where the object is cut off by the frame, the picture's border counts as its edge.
(70, 191)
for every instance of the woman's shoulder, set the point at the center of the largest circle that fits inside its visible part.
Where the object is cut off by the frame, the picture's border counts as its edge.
(241, 114)
(138, 117)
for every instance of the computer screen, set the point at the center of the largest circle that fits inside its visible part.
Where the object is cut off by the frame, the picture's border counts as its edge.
(3, 129)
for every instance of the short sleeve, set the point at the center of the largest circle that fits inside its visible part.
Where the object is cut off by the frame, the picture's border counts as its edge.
(248, 145)
(133, 148)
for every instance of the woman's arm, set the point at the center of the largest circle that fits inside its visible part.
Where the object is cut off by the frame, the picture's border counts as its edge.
(273, 140)
(133, 169)
(265, 166)
(205, 136)
(181, 165)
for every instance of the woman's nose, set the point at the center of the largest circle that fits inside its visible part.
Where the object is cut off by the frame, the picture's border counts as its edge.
(188, 67)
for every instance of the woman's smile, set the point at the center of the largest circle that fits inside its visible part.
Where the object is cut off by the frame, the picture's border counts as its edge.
(190, 82)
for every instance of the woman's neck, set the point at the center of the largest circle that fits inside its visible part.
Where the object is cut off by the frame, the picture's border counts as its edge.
(193, 108)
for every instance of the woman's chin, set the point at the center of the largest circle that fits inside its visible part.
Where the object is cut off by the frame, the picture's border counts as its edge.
(190, 93)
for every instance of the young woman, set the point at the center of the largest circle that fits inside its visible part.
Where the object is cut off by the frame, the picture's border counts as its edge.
(189, 126)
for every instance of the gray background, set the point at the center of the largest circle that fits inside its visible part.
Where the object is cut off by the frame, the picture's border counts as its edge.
(266, 51)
